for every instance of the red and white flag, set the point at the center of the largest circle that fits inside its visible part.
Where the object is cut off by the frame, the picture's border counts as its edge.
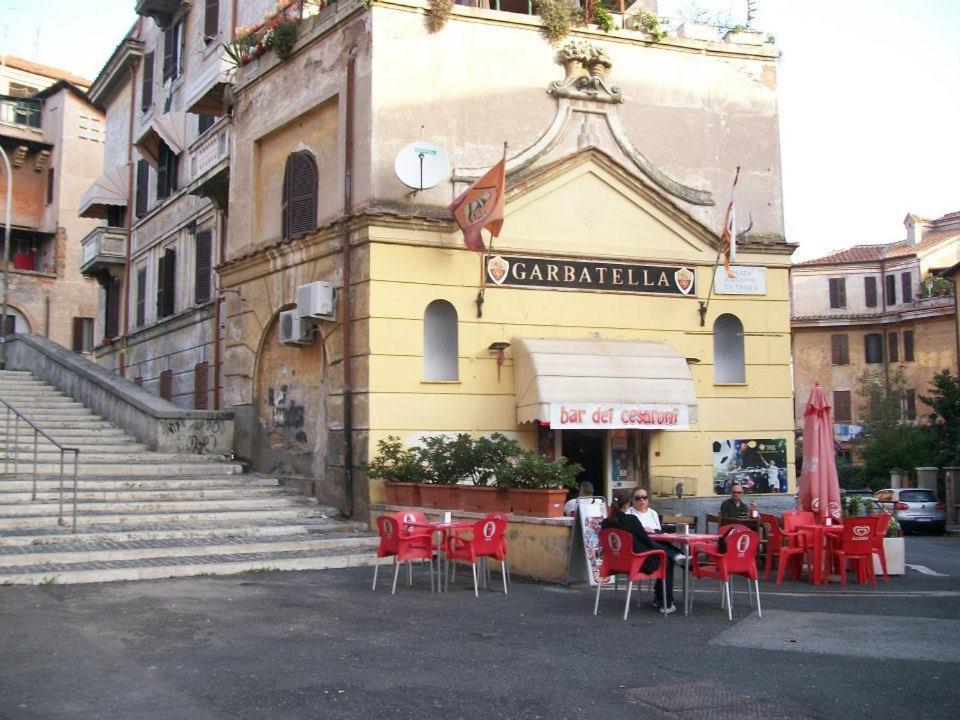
(481, 206)
(728, 240)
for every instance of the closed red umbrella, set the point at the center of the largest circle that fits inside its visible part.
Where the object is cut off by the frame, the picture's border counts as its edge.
(819, 486)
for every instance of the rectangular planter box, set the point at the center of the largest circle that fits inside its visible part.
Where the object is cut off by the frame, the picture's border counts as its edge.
(894, 549)
(545, 503)
(440, 497)
(484, 499)
(405, 494)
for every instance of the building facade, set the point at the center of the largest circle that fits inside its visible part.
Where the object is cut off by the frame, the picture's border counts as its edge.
(878, 309)
(581, 332)
(54, 138)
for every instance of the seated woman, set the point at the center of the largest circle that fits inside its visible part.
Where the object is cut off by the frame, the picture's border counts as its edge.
(620, 519)
(640, 508)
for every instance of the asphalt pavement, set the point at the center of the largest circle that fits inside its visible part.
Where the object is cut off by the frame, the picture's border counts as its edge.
(279, 645)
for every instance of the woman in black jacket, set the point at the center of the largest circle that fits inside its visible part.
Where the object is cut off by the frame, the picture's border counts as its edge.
(618, 519)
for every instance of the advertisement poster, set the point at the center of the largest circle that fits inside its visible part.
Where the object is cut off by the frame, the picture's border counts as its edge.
(585, 545)
(759, 465)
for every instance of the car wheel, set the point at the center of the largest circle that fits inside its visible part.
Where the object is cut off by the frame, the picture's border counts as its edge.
(940, 530)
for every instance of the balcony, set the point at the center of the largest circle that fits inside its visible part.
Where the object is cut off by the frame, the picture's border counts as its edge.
(210, 164)
(162, 11)
(104, 252)
(20, 118)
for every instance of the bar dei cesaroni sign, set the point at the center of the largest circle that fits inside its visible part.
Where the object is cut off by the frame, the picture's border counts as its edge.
(540, 272)
(639, 416)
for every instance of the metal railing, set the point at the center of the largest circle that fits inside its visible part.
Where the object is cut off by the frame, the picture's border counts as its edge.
(15, 453)
(20, 111)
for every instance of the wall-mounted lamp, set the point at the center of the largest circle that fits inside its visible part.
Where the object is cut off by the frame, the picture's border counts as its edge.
(498, 348)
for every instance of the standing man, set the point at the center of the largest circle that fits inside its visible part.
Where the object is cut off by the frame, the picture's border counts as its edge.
(734, 507)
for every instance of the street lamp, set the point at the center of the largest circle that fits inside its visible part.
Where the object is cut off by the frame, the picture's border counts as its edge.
(6, 261)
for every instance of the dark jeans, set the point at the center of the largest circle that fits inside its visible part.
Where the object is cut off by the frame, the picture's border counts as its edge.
(671, 552)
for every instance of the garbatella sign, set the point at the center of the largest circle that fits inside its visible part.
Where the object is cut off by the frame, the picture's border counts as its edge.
(595, 275)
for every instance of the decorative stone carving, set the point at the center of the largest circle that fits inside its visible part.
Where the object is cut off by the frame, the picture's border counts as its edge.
(586, 67)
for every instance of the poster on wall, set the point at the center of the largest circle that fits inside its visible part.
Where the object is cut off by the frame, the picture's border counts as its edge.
(760, 466)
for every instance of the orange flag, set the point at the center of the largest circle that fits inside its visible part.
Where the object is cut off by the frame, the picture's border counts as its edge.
(728, 240)
(481, 206)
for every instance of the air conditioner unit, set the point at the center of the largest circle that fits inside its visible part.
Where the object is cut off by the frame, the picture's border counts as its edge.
(293, 330)
(315, 301)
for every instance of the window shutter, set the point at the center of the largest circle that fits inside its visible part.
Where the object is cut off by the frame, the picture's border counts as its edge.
(169, 43)
(50, 179)
(163, 189)
(166, 384)
(143, 177)
(112, 328)
(839, 350)
(911, 400)
(838, 293)
(908, 345)
(78, 334)
(201, 375)
(141, 297)
(893, 347)
(299, 195)
(161, 274)
(890, 295)
(169, 280)
(146, 87)
(906, 285)
(204, 250)
(870, 291)
(211, 19)
(841, 406)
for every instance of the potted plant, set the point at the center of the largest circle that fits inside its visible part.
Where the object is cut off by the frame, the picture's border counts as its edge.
(537, 486)
(400, 469)
(483, 494)
(442, 461)
(894, 550)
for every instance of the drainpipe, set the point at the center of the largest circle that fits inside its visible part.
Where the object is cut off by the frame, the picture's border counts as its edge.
(884, 346)
(6, 259)
(345, 296)
(217, 356)
(130, 203)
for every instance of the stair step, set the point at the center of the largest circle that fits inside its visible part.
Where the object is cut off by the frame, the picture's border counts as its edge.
(85, 445)
(199, 492)
(48, 483)
(10, 522)
(88, 456)
(86, 506)
(323, 523)
(143, 468)
(87, 552)
(156, 568)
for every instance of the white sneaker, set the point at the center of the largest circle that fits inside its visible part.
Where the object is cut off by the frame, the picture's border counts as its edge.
(680, 559)
(667, 610)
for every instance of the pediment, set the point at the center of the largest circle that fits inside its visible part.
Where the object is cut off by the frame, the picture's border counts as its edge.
(588, 204)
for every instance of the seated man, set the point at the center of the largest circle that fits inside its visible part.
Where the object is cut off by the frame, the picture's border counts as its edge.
(586, 490)
(641, 509)
(734, 507)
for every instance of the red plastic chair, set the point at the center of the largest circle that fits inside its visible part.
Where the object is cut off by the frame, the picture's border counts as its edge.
(883, 524)
(506, 562)
(483, 540)
(404, 545)
(739, 559)
(857, 543)
(786, 547)
(618, 558)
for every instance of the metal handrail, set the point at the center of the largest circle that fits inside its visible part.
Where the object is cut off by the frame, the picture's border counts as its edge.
(37, 432)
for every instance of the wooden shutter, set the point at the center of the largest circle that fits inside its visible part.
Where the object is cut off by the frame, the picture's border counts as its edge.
(146, 86)
(908, 345)
(839, 350)
(169, 45)
(211, 19)
(112, 325)
(838, 293)
(161, 264)
(893, 347)
(841, 406)
(890, 297)
(50, 179)
(299, 195)
(141, 297)
(163, 189)
(143, 177)
(870, 291)
(201, 376)
(166, 277)
(911, 402)
(78, 334)
(166, 384)
(906, 285)
(204, 258)
(873, 347)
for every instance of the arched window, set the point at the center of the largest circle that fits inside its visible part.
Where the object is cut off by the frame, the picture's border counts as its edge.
(440, 342)
(299, 207)
(728, 359)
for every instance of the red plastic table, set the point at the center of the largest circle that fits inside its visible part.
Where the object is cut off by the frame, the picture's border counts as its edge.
(687, 540)
(819, 534)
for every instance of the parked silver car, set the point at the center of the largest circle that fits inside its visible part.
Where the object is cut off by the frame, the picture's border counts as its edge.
(914, 508)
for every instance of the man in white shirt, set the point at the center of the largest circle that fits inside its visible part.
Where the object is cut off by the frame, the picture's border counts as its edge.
(586, 490)
(641, 508)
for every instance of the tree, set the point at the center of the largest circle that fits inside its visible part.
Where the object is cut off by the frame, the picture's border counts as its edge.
(944, 401)
(887, 441)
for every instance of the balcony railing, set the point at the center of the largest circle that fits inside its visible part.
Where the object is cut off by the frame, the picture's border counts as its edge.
(20, 111)
(210, 149)
(102, 247)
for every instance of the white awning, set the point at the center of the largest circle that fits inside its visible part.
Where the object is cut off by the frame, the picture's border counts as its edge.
(206, 94)
(171, 128)
(627, 384)
(109, 189)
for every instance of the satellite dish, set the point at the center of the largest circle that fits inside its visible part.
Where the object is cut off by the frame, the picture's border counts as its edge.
(421, 165)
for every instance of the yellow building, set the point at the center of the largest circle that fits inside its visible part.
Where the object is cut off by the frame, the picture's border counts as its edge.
(590, 340)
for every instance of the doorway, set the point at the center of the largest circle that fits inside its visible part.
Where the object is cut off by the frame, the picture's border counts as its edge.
(585, 447)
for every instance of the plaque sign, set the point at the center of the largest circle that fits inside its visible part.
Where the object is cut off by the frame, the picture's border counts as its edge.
(746, 280)
(591, 275)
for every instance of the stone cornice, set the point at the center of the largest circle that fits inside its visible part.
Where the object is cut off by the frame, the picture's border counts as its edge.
(126, 54)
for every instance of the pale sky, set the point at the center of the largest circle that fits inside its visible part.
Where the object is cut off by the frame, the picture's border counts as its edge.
(868, 100)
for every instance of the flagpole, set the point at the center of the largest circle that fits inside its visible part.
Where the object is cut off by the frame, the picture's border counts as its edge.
(484, 255)
(705, 304)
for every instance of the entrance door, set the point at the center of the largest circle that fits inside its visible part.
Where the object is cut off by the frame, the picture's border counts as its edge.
(585, 447)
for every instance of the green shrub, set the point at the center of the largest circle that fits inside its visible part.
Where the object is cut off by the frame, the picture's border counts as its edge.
(603, 18)
(532, 471)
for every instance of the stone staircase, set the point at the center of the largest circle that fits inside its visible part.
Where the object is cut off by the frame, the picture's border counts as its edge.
(142, 514)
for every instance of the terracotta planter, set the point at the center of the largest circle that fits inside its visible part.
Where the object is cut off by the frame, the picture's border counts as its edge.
(440, 497)
(404, 494)
(542, 502)
(484, 499)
